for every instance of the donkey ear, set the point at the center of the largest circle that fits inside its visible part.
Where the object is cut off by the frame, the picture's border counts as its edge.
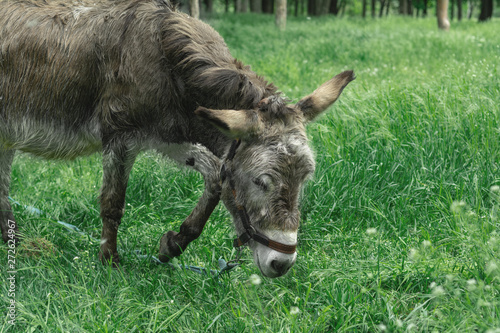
(325, 95)
(233, 123)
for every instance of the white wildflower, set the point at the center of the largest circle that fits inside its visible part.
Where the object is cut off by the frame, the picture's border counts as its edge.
(491, 267)
(483, 302)
(458, 207)
(471, 282)
(411, 327)
(294, 310)
(438, 291)
(413, 254)
(255, 279)
(493, 330)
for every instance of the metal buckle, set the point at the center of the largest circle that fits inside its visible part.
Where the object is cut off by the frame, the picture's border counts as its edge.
(251, 231)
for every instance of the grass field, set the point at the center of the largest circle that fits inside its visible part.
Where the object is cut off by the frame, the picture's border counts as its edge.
(400, 229)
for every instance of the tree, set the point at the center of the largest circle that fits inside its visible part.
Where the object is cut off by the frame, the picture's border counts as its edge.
(209, 6)
(470, 8)
(194, 8)
(442, 14)
(486, 10)
(256, 6)
(403, 7)
(459, 10)
(245, 6)
(281, 14)
(241, 6)
(335, 7)
(406, 7)
(267, 6)
(382, 5)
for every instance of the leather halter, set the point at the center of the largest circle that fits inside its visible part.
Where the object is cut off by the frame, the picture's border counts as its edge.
(250, 232)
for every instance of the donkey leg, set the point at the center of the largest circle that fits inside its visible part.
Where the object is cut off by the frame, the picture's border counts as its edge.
(118, 160)
(7, 221)
(199, 158)
(173, 243)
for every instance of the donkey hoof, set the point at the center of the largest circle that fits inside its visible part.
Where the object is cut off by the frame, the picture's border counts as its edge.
(168, 247)
(110, 259)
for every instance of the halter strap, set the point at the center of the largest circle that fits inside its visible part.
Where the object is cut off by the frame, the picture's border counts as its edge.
(250, 232)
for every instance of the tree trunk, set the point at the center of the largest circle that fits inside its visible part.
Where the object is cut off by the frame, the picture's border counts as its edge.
(319, 7)
(267, 6)
(281, 14)
(470, 9)
(424, 11)
(209, 6)
(325, 7)
(334, 7)
(194, 8)
(486, 10)
(381, 11)
(459, 10)
(311, 7)
(387, 7)
(403, 7)
(363, 13)
(245, 6)
(442, 15)
(452, 10)
(241, 6)
(373, 8)
(256, 6)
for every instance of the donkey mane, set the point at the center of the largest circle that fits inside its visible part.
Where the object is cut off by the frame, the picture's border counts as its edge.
(199, 56)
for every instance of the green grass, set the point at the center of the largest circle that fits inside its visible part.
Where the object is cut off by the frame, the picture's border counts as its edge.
(400, 226)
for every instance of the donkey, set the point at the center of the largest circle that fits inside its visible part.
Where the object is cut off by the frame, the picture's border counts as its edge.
(121, 77)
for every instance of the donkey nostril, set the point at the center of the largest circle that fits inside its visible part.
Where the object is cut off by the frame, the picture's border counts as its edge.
(281, 267)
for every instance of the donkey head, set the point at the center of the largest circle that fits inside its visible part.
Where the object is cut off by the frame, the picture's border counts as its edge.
(266, 168)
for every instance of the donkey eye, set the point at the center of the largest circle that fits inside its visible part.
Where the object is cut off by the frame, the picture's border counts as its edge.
(261, 182)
